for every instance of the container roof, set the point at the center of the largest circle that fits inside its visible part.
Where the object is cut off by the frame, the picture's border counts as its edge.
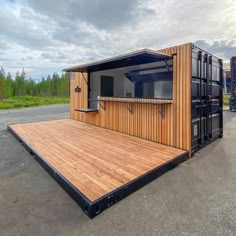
(124, 60)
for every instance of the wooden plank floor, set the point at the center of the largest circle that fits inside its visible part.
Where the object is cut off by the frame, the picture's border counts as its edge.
(95, 160)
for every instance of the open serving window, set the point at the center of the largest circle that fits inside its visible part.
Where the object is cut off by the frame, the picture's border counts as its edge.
(141, 74)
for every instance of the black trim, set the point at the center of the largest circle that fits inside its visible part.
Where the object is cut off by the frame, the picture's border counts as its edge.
(88, 89)
(200, 93)
(207, 96)
(221, 95)
(93, 208)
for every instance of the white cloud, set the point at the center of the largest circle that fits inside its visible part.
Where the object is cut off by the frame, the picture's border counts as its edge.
(46, 36)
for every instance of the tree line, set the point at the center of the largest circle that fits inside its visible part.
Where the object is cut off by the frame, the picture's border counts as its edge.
(55, 85)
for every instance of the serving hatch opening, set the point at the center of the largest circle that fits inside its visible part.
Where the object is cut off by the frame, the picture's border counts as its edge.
(141, 74)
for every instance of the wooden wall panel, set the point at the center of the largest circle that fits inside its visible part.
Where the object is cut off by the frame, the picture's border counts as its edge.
(73, 84)
(145, 121)
(141, 120)
(182, 56)
(78, 100)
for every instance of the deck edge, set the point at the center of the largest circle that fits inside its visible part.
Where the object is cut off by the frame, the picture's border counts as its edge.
(94, 208)
(78, 196)
(118, 194)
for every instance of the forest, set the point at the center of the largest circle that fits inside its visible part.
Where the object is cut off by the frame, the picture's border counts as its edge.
(55, 85)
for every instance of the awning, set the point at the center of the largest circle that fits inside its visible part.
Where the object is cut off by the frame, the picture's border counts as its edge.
(129, 59)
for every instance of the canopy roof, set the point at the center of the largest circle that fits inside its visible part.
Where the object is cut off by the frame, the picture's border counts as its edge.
(124, 60)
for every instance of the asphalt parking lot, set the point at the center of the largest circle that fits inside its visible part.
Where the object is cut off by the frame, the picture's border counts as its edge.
(196, 198)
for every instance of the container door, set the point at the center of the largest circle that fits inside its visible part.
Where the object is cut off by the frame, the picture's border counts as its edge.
(215, 96)
(207, 120)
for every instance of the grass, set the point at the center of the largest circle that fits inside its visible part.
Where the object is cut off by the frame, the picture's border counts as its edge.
(29, 101)
(226, 101)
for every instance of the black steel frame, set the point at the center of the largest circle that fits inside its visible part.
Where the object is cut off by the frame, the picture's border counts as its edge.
(94, 208)
(208, 132)
(200, 76)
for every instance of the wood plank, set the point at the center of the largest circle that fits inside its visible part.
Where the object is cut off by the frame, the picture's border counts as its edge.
(95, 160)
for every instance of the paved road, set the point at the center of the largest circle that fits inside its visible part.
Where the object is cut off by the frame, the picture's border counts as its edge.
(33, 114)
(196, 198)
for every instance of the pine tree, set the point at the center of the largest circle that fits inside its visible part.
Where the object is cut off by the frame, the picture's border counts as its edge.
(21, 86)
(2, 78)
(8, 85)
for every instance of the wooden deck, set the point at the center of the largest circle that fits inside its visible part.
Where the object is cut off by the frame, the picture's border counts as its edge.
(94, 160)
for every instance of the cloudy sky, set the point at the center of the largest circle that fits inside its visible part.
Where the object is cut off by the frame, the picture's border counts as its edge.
(45, 36)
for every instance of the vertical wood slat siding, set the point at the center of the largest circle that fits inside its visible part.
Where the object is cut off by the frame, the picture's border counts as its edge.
(182, 60)
(78, 100)
(145, 120)
(142, 121)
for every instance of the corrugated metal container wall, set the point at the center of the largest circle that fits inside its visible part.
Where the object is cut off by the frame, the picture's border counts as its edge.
(207, 99)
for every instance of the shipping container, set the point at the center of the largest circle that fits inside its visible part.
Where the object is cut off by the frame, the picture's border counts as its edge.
(232, 101)
(189, 79)
(132, 118)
